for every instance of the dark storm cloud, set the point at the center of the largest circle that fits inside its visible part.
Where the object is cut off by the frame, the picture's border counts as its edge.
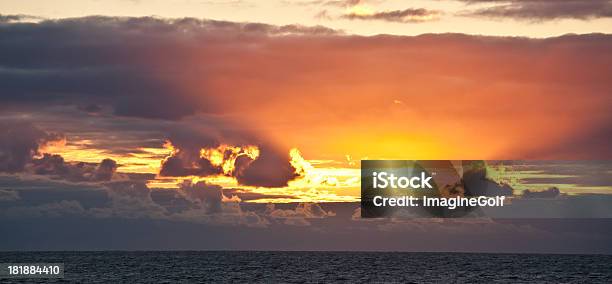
(186, 160)
(175, 166)
(19, 142)
(540, 10)
(114, 61)
(476, 183)
(209, 195)
(402, 16)
(270, 169)
(55, 166)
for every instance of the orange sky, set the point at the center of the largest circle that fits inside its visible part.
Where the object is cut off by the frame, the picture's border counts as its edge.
(430, 97)
(336, 98)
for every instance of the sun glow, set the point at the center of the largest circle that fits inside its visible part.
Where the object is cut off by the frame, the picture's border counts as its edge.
(318, 181)
(360, 10)
(225, 156)
(142, 160)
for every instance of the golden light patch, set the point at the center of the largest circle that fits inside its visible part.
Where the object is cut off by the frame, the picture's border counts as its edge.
(360, 10)
(225, 156)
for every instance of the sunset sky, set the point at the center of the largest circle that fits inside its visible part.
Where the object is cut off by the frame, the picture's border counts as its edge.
(533, 18)
(255, 113)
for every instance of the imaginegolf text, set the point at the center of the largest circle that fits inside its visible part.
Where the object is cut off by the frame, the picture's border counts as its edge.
(450, 202)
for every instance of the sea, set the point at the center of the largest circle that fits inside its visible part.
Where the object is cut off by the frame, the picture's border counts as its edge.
(315, 267)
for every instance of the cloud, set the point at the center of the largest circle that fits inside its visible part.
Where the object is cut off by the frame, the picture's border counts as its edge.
(19, 142)
(251, 165)
(253, 84)
(271, 169)
(193, 202)
(298, 216)
(20, 146)
(209, 205)
(334, 3)
(53, 210)
(186, 159)
(8, 195)
(477, 183)
(110, 59)
(543, 10)
(209, 196)
(551, 192)
(131, 211)
(594, 173)
(343, 3)
(175, 166)
(410, 15)
(131, 200)
(10, 18)
(56, 167)
(18, 18)
(248, 195)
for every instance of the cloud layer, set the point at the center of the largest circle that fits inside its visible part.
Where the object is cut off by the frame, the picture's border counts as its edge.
(19, 142)
(542, 10)
(409, 15)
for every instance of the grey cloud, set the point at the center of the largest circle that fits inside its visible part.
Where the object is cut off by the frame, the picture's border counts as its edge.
(186, 160)
(53, 210)
(19, 142)
(298, 216)
(540, 10)
(239, 226)
(56, 167)
(476, 182)
(131, 200)
(247, 195)
(193, 202)
(175, 166)
(335, 3)
(10, 18)
(109, 61)
(270, 169)
(17, 18)
(208, 195)
(410, 15)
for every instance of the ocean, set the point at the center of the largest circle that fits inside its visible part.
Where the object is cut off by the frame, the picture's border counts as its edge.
(309, 267)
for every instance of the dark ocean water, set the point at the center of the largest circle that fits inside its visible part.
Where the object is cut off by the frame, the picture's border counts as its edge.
(299, 267)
